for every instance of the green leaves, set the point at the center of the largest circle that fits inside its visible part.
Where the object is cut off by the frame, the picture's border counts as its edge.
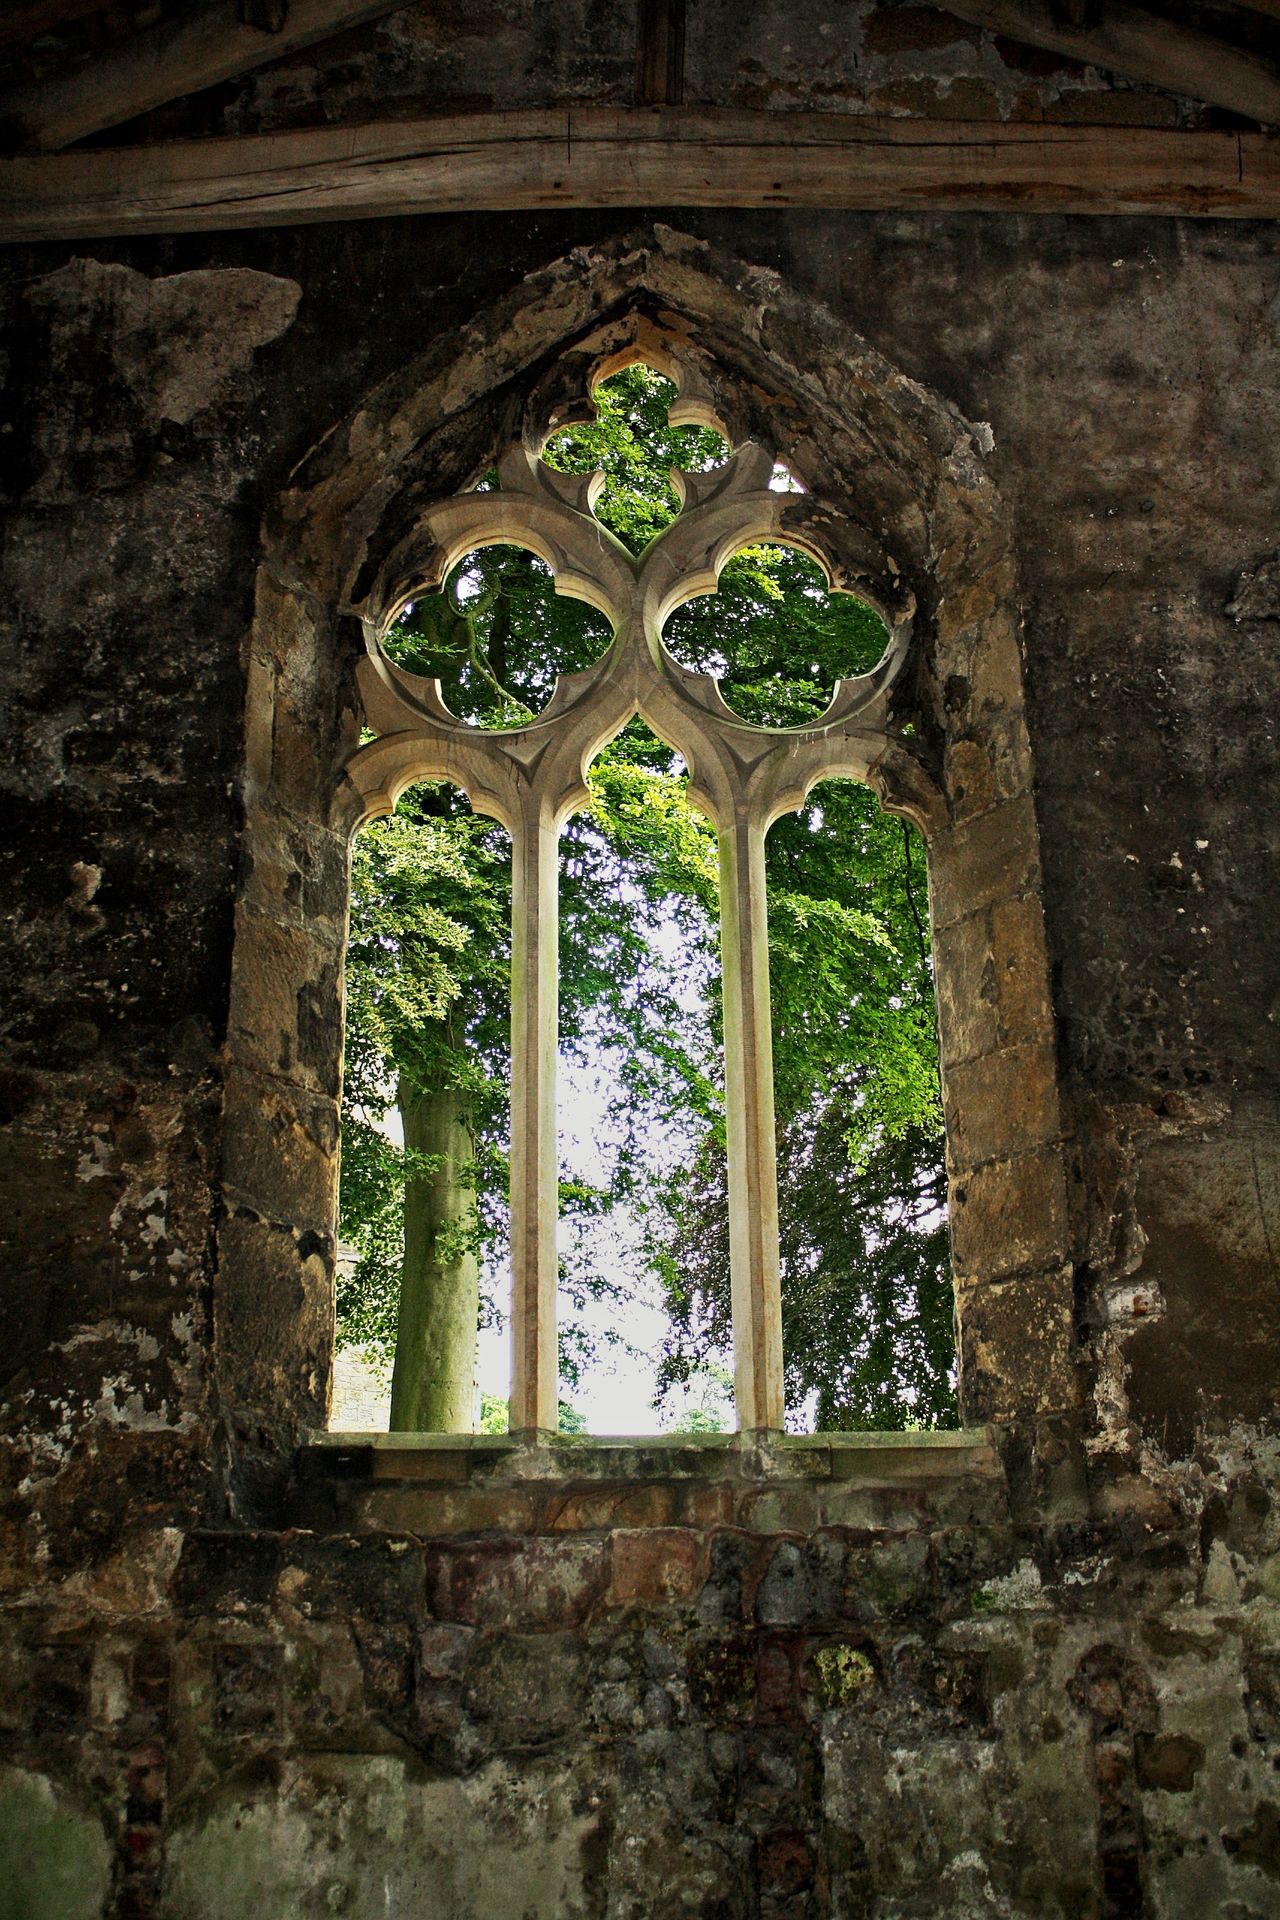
(776, 637)
(631, 443)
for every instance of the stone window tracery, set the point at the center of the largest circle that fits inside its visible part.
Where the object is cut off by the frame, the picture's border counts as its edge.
(914, 516)
(531, 778)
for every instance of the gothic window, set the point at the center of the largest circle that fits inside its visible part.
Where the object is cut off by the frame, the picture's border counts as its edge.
(531, 777)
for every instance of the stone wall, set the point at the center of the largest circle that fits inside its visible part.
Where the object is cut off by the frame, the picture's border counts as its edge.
(829, 1679)
(1064, 1702)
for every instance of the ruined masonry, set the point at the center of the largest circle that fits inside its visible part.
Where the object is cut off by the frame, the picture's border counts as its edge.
(1001, 285)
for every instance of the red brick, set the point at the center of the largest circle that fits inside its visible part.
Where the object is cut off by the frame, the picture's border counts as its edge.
(777, 1679)
(656, 1564)
(522, 1584)
(784, 1861)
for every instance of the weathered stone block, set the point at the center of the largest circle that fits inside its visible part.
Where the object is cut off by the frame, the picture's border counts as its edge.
(450, 1510)
(378, 1577)
(526, 1688)
(324, 1691)
(783, 1508)
(248, 1690)
(735, 1561)
(1168, 1762)
(984, 861)
(275, 1299)
(431, 1465)
(1017, 1346)
(970, 778)
(1003, 1104)
(443, 1649)
(595, 1509)
(967, 988)
(655, 1566)
(227, 1573)
(889, 1579)
(386, 1650)
(785, 1596)
(529, 1584)
(722, 1677)
(1021, 971)
(777, 1676)
(967, 1556)
(997, 656)
(287, 1015)
(1011, 755)
(707, 1507)
(1008, 1215)
(280, 1149)
(296, 870)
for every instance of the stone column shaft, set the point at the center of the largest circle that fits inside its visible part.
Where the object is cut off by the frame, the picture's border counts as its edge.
(534, 1160)
(749, 1127)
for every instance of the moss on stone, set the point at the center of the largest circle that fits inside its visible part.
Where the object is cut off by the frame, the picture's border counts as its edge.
(841, 1674)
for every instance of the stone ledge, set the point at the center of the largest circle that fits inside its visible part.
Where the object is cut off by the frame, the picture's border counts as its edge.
(557, 1484)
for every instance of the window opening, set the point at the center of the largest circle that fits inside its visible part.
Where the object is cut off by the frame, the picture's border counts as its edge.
(497, 636)
(426, 1070)
(528, 768)
(864, 1257)
(640, 452)
(774, 636)
(866, 1294)
(640, 1070)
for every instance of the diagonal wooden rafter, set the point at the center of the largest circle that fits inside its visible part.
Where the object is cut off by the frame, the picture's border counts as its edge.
(183, 56)
(655, 157)
(1140, 46)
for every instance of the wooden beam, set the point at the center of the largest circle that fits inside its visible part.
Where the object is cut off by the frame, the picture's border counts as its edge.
(180, 57)
(660, 53)
(1141, 46)
(605, 157)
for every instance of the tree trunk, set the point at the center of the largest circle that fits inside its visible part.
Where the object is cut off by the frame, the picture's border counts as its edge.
(432, 1387)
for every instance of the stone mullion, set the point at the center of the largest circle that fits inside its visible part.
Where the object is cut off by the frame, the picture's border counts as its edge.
(534, 1163)
(749, 1124)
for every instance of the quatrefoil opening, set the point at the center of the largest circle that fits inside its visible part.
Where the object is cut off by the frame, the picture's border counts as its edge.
(493, 639)
(775, 636)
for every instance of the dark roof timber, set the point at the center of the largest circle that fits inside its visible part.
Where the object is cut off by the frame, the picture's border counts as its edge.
(1142, 46)
(28, 19)
(654, 157)
(220, 39)
(166, 62)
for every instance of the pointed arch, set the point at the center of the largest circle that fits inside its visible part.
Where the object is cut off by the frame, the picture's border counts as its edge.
(900, 467)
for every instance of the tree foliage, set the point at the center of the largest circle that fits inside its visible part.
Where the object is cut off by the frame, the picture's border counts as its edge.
(866, 1282)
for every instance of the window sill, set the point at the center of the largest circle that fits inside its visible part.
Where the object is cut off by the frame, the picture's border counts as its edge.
(561, 1483)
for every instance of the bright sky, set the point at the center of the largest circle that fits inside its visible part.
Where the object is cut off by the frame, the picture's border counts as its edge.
(617, 1390)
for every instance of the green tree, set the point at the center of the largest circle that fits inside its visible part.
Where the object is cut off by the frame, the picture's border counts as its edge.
(854, 1048)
